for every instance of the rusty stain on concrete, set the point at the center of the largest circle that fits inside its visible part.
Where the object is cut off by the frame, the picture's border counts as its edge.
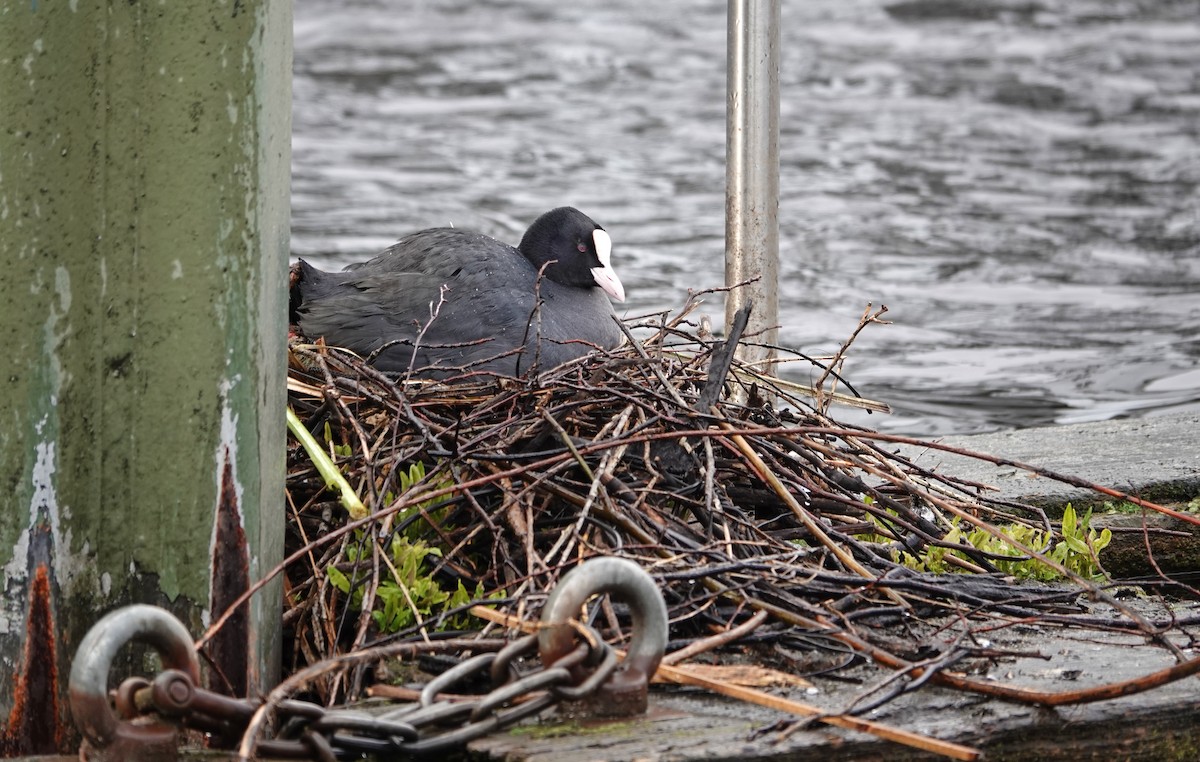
(230, 647)
(34, 724)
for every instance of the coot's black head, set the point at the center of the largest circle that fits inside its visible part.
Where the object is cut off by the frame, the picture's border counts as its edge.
(577, 249)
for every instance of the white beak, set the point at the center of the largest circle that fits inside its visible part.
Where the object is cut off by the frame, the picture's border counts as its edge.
(605, 276)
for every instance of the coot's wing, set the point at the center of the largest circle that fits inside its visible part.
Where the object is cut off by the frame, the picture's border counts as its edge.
(452, 322)
(481, 290)
(362, 312)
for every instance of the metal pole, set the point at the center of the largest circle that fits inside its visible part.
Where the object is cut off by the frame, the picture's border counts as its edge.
(752, 171)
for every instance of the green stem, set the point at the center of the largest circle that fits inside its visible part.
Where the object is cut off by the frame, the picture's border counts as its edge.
(326, 467)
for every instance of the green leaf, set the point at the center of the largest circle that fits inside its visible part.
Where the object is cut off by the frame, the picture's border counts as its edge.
(1079, 546)
(337, 579)
(1068, 521)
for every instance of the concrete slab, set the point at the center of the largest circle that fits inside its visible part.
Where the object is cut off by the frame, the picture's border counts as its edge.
(1155, 458)
(682, 726)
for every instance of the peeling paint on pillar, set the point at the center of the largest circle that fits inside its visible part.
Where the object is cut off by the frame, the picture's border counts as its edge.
(36, 720)
(144, 167)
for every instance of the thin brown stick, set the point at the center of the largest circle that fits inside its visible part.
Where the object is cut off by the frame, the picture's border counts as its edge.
(718, 640)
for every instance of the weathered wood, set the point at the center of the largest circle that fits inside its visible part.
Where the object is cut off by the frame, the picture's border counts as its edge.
(1173, 546)
(144, 167)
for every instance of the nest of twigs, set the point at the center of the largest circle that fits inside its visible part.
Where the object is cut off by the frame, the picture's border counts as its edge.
(737, 492)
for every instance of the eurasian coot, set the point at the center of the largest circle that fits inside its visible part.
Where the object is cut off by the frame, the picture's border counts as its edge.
(445, 299)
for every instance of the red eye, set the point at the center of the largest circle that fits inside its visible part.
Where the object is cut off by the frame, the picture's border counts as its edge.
(582, 247)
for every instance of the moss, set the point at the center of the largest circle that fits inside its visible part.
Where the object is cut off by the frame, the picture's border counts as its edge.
(576, 728)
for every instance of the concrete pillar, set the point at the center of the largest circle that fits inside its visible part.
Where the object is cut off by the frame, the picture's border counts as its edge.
(144, 194)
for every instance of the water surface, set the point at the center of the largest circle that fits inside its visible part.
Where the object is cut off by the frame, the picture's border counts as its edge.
(1016, 181)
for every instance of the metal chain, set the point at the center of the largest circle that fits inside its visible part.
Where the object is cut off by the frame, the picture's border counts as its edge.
(422, 728)
(574, 663)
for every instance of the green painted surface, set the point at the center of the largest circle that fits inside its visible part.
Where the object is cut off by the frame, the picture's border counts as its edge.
(144, 165)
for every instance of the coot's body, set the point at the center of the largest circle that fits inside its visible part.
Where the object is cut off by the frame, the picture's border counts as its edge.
(463, 300)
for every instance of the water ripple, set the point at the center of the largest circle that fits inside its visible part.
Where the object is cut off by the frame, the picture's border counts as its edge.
(1018, 181)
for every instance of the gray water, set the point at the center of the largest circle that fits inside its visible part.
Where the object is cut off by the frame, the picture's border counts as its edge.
(1016, 181)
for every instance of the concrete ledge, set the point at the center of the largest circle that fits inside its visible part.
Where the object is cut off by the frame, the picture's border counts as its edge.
(1154, 458)
(688, 726)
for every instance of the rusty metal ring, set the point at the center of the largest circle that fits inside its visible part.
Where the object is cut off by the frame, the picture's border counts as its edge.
(624, 581)
(89, 673)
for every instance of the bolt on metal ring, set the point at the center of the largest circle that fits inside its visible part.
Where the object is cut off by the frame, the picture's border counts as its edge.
(111, 737)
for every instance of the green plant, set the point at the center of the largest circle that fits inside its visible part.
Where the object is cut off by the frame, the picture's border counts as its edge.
(408, 587)
(341, 450)
(433, 515)
(1076, 548)
(1080, 546)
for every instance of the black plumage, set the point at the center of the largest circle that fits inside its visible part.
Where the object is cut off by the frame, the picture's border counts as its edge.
(443, 299)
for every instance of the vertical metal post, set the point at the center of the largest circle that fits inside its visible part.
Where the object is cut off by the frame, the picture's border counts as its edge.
(144, 177)
(752, 171)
